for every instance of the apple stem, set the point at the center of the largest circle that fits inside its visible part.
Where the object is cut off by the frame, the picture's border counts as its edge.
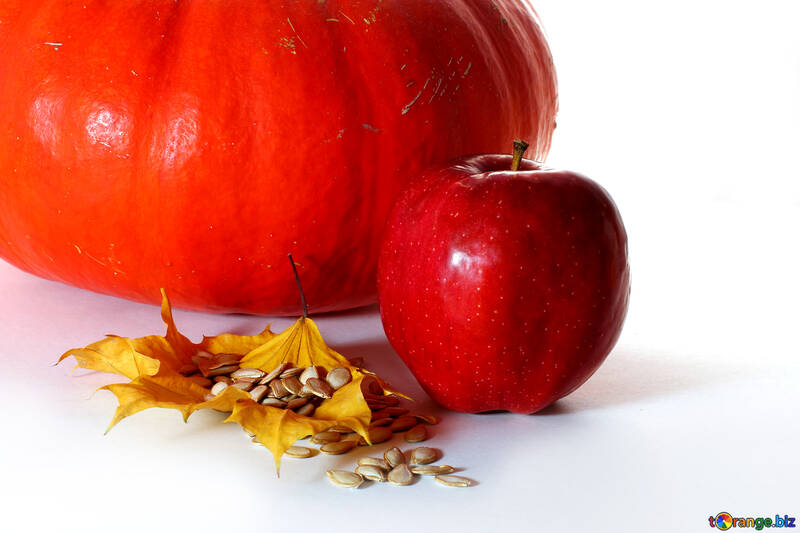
(299, 288)
(519, 150)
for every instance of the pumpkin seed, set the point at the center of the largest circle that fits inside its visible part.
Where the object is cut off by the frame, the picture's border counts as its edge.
(371, 385)
(209, 397)
(396, 411)
(339, 377)
(273, 402)
(338, 448)
(391, 401)
(417, 434)
(224, 379)
(274, 374)
(432, 470)
(218, 387)
(307, 410)
(343, 478)
(403, 423)
(277, 388)
(247, 374)
(258, 393)
(379, 434)
(319, 387)
(400, 475)
(296, 403)
(341, 429)
(299, 451)
(324, 437)
(394, 457)
(291, 372)
(244, 385)
(373, 461)
(381, 422)
(453, 481)
(292, 384)
(187, 369)
(311, 372)
(370, 472)
(226, 370)
(200, 380)
(422, 456)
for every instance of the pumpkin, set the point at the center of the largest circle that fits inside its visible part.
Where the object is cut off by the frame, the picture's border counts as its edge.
(192, 145)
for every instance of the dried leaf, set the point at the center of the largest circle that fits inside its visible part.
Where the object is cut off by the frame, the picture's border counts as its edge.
(152, 364)
(144, 356)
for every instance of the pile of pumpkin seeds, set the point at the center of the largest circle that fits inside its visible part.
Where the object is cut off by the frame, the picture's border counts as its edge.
(286, 387)
(395, 468)
(303, 389)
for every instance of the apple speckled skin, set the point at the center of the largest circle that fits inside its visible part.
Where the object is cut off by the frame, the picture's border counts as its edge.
(500, 289)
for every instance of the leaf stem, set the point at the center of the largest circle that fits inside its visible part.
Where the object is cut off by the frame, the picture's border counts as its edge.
(299, 288)
(519, 150)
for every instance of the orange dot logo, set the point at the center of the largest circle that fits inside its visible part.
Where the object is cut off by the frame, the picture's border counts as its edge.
(723, 521)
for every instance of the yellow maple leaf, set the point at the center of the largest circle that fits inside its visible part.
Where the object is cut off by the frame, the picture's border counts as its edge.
(153, 365)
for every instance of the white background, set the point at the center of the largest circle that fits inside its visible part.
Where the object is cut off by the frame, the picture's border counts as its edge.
(687, 112)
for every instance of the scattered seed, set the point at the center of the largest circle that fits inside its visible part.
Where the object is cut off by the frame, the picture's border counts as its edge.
(299, 451)
(341, 429)
(403, 423)
(339, 377)
(209, 397)
(277, 388)
(187, 369)
(319, 387)
(394, 457)
(343, 478)
(453, 481)
(200, 380)
(422, 456)
(223, 379)
(371, 385)
(355, 437)
(381, 422)
(291, 372)
(210, 373)
(273, 402)
(396, 411)
(391, 401)
(379, 434)
(377, 415)
(400, 475)
(218, 387)
(307, 410)
(417, 434)
(292, 384)
(337, 448)
(274, 374)
(372, 473)
(432, 470)
(258, 393)
(247, 374)
(374, 461)
(296, 403)
(324, 437)
(244, 385)
(311, 372)
(376, 406)
(201, 356)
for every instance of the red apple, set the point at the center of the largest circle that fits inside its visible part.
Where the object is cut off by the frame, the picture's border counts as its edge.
(503, 289)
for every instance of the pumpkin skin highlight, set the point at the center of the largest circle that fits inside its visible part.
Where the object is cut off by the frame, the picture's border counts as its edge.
(192, 145)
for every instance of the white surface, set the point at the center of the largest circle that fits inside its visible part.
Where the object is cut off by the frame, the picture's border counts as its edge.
(687, 113)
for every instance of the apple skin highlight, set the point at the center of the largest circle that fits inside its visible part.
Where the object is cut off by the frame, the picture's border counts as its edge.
(500, 289)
